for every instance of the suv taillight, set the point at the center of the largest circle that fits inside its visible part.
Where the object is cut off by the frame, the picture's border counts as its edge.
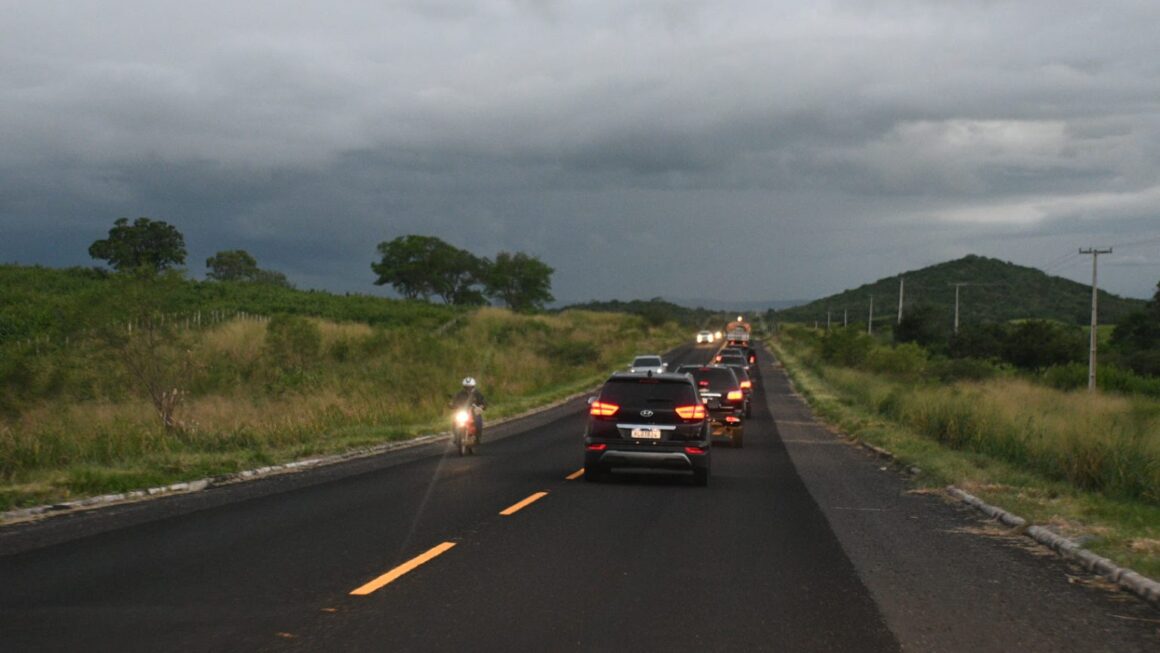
(745, 385)
(734, 395)
(602, 409)
(691, 412)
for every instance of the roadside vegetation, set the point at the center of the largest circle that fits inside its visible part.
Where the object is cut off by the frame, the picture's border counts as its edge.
(1087, 464)
(104, 415)
(121, 379)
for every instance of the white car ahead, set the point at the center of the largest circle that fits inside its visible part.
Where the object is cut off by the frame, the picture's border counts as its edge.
(648, 363)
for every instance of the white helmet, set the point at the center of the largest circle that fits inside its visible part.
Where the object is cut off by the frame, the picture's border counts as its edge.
(469, 382)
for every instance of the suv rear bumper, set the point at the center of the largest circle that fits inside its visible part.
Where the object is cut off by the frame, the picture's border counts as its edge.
(628, 458)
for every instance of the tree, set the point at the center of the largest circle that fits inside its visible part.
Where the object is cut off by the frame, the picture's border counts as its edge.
(239, 265)
(232, 265)
(421, 266)
(522, 282)
(272, 278)
(1039, 344)
(1136, 339)
(147, 246)
(152, 350)
(921, 325)
(456, 274)
(983, 341)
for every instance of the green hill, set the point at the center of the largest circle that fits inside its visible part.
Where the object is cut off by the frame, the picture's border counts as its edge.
(998, 291)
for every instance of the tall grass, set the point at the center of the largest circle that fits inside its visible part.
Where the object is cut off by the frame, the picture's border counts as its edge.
(1097, 442)
(361, 385)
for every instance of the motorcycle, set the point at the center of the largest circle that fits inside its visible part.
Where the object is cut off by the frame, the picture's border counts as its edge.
(463, 434)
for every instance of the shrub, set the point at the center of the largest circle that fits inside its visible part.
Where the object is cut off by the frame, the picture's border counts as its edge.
(963, 369)
(904, 361)
(848, 347)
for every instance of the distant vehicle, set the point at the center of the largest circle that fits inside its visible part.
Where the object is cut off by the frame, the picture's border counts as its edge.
(728, 351)
(724, 397)
(647, 422)
(652, 363)
(704, 336)
(737, 333)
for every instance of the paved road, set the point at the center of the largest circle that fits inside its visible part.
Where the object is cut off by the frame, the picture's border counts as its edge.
(799, 543)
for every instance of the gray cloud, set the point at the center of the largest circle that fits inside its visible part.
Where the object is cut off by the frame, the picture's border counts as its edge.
(646, 148)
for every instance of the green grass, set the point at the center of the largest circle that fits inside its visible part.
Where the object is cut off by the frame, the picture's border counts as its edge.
(322, 387)
(1088, 467)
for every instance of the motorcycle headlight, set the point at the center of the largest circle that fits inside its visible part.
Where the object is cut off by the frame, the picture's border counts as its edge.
(462, 417)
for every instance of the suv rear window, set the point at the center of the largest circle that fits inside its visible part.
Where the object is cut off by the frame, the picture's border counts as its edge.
(734, 360)
(720, 379)
(646, 361)
(632, 392)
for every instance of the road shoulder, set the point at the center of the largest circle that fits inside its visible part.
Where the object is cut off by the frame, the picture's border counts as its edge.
(945, 579)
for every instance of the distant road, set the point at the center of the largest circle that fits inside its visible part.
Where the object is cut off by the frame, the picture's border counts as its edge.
(800, 543)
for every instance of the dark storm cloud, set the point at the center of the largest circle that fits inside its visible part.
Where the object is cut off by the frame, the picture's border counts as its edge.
(640, 148)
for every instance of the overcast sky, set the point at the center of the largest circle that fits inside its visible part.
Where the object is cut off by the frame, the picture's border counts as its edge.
(738, 150)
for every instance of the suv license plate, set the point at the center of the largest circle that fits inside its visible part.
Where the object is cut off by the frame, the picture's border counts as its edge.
(647, 434)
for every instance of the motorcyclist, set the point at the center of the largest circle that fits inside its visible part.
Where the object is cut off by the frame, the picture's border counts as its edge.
(471, 398)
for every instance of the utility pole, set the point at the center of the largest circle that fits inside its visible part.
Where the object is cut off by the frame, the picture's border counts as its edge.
(870, 322)
(845, 317)
(901, 290)
(1095, 252)
(827, 321)
(957, 286)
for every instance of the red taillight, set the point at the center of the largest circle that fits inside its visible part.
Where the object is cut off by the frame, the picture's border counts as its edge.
(703, 383)
(745, 385)
(732, 420)
(597, 447)
(695, 451)
(691, 412)
(752, 358)
(602, 409)
(734, 395)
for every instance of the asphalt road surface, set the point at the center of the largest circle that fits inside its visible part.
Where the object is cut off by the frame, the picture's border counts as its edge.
(800, 543)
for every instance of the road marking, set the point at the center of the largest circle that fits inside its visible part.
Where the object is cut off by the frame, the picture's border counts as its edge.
(575, 475)
(511, 510)
(394, 574)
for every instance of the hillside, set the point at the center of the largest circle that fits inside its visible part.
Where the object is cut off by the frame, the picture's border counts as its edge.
(55, 304)
(999, 291)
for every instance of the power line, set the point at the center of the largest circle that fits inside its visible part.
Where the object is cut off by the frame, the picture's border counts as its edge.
(1136, 243)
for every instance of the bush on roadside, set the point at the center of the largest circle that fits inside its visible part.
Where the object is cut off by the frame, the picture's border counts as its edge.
(845, 346)
(905, 361)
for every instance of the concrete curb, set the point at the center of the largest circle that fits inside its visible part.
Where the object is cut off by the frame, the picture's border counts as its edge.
(35, 512)
(1140, 585)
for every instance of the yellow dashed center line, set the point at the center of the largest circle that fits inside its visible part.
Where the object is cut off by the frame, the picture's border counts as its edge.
(394, 574)
(575, 475)
(511, 510)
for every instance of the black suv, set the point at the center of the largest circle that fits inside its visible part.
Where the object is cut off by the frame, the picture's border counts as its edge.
(724, 395)
(647, 421)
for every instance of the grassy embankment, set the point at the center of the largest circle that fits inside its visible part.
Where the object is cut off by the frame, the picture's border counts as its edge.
(247, 401)
(1087, 465)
